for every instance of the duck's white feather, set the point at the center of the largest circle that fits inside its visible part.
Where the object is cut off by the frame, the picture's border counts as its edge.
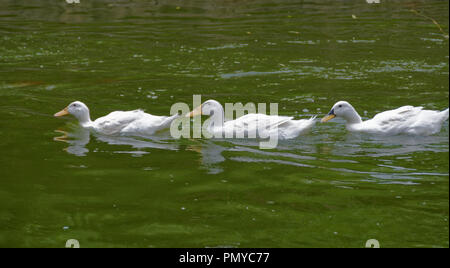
(259, 125)
(132, 122)
(252, 121)
(264, 126)
(293, 128)
(404, 120)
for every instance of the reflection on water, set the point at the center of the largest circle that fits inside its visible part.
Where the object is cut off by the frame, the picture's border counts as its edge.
(77, 141)
(210, 155)
(78, 138)
(305, 151)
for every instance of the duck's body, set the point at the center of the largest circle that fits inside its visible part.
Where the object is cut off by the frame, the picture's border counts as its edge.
(131, 122)
(135, 122)
(265, 126)
(252, 125)
(408, 120)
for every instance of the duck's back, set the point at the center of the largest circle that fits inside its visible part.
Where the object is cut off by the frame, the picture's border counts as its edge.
(253, 121)
(405, 120)
(115, 122)
(255, 126)
(148, 124)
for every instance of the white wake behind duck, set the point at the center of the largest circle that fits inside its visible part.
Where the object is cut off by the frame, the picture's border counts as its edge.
(260, 124)
(119, 122)
(404, 120)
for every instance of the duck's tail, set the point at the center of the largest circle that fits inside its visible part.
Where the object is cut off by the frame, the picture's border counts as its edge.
(305, 126)
(168, 121)
(444, 115)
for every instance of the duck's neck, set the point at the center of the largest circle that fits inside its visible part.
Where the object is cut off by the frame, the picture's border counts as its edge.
(216, 119)
(353, 118)
(85, 119)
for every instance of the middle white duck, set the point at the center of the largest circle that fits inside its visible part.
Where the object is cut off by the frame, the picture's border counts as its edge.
(123, 123)
(260, 124)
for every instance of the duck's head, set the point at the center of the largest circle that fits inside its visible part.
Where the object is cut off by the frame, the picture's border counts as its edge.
(209, 107)
(77, 109)
(345, 110)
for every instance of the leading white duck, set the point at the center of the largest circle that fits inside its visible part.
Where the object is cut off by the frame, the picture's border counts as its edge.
(119, 122)
(404, 120)
(261, 125)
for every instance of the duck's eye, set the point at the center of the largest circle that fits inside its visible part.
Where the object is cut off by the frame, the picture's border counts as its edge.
(340, 106)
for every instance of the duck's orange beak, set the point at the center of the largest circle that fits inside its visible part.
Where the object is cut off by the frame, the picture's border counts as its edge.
(329, 116)
(64, 112)
(195, 112)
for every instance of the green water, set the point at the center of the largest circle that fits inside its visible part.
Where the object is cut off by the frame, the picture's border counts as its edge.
(327, 189)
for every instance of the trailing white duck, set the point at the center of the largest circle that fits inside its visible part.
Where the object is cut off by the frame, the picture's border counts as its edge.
(119, 122)
(404, 120)
(261, 125)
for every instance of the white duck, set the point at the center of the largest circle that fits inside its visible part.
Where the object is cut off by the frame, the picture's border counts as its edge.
(404, 120)
(119, 122)
(261, 125)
